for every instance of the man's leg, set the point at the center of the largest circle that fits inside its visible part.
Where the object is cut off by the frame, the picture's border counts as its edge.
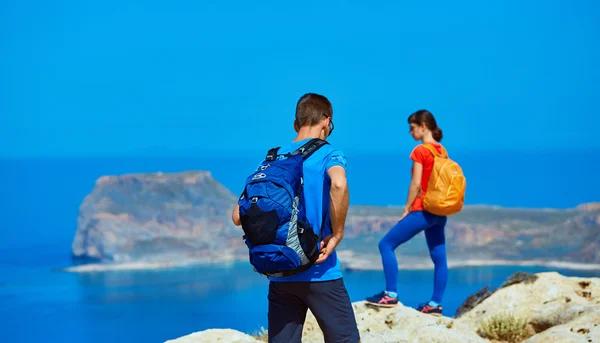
(330, 303)
(287, 313)
(403, 231)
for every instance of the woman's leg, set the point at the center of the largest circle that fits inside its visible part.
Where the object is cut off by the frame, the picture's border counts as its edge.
(436, 242)
(403, 231)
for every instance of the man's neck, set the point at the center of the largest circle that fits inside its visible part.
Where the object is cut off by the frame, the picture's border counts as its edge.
(308, 132)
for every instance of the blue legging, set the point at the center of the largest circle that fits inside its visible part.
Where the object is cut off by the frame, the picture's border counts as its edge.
(403, 231)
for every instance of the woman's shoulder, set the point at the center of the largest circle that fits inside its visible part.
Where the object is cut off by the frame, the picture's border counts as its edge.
(419, 153)
(422, 152)
(435, 145)
(424, 146)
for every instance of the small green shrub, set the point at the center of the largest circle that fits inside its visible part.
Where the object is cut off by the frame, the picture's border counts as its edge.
(261, 335)
(506, 328)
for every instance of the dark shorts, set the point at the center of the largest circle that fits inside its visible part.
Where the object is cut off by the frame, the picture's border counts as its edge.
(327, 300)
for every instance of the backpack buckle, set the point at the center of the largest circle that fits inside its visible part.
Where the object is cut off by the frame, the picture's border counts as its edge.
(272, 154)
(259, 176)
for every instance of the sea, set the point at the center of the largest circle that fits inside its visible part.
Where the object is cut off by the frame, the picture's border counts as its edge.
(40, 197)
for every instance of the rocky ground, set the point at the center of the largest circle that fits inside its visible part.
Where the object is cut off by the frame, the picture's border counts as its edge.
(540, 308)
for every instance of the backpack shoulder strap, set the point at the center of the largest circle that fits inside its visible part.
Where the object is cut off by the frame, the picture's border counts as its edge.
(310, 147)
(306, 150)
(434, 151)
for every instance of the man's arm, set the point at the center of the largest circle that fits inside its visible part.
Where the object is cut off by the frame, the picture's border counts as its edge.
(235, 215)
(338, 209)
(338, 205)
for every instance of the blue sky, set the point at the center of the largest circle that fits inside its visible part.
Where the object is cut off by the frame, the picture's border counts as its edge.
(127, 77)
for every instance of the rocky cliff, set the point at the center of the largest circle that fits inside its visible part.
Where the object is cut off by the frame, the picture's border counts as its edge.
(178, 217)
(157, 217)
(540, 308)
(486, 233)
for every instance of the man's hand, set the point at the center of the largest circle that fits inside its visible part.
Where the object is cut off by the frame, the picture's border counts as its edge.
(328, 245)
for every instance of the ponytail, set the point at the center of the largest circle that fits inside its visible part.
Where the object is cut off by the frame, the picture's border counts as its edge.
(437, 134)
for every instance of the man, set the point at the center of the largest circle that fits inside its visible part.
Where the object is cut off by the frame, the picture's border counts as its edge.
(319, 288)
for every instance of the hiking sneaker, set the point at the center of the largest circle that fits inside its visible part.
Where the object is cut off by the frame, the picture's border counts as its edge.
(426, 308)
(382, 300)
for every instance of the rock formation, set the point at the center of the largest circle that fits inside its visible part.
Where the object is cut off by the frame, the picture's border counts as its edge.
(487, 233)
(162, 219)
(545, 308)
(157, 217)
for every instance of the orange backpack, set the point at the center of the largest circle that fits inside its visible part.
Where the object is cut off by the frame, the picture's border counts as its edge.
(445, 194)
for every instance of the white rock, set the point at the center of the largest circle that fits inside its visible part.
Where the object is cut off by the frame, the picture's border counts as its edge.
(550, 294)
(560, 309)
(400, 324)
(216, 336)
(584, 329)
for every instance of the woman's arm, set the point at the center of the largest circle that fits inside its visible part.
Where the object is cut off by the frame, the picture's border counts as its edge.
(414, 188)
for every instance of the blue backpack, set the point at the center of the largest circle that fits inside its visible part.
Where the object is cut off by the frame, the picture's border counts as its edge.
(280, 239)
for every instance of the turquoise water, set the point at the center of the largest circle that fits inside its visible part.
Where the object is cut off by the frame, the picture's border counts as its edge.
(40, 199)
(41, 304)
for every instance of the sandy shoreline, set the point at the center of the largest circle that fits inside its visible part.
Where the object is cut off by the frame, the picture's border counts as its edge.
(145, 265)
(478, 263)
(348, 262)
(373, 262)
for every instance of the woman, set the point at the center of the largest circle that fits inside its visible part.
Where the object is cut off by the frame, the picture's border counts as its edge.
(414, 219)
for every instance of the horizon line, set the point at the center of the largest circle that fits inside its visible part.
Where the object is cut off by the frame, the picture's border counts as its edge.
(237, 153)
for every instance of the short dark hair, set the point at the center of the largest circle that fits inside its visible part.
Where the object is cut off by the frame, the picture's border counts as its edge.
(311, 108)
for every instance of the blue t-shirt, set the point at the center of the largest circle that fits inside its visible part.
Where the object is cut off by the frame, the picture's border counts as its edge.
(316, 198)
